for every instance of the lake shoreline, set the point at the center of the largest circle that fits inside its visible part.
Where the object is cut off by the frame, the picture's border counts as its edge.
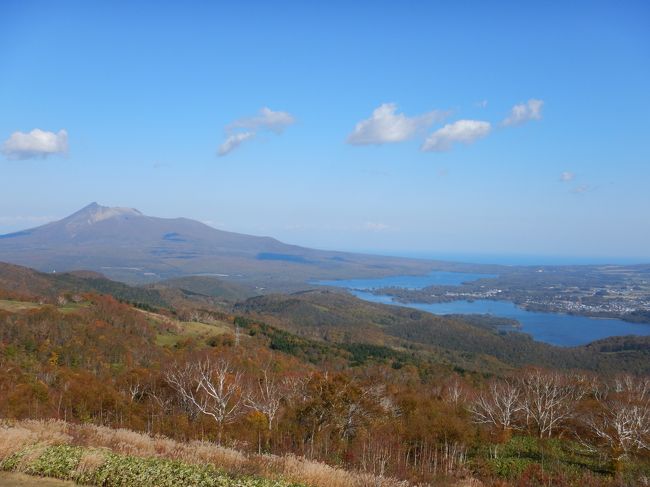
(555, 328)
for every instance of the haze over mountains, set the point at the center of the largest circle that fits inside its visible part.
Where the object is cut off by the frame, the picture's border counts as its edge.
(126, 245)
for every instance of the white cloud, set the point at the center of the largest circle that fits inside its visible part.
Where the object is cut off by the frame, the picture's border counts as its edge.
(37, 143)
(531, 110)
(463, 131)
(482, 104)
(265, 119)
(233, 141)
(387, 126)
(567, 176)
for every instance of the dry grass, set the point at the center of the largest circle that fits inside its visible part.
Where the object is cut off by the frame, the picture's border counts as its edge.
(90, 461)
(15, 306)
(15, 437)
(131, 443)
(310, 472)
(20, 434)
(12, 479)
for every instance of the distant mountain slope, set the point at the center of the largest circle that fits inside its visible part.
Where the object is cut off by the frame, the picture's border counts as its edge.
(28, 282)
(209, 287)
(126, 245)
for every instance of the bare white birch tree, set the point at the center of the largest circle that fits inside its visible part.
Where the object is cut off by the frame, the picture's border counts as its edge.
(265, 397)
(498, 406)
(623, 422)
(548, 400)
(213, 388)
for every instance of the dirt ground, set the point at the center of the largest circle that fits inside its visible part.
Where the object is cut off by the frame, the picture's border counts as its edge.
(20, 480)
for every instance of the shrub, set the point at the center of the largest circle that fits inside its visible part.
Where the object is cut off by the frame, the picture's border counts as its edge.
(56, 461)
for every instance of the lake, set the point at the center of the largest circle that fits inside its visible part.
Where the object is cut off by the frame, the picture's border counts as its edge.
(554, 328)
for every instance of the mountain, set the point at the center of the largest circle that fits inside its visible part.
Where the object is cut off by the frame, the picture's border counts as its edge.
(125, 245)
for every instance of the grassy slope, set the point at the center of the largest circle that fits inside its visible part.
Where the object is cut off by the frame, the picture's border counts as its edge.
(97, 455)
(188, 329)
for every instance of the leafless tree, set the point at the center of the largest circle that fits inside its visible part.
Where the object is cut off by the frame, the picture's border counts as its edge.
(295, 388)
(623, 427)
(183, 380)
(213, 388)
(498, 406)
(134, 387)
(453, 392)
(547, 400)
(637, 389)
(237, 335)
(622, 424)
(265, 397)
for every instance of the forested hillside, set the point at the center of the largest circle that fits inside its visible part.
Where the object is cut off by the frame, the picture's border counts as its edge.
(339, 317)
(373, 390)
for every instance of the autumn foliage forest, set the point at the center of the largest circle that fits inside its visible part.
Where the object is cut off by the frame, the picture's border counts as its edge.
(201, 370)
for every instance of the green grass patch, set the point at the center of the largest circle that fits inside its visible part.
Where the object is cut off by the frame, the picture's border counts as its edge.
(520, 452)
(56, 461)
(72, 307)
(115, 470)
(190, 329)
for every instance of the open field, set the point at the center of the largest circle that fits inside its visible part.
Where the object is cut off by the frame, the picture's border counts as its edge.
(14, 306)
(194, 330)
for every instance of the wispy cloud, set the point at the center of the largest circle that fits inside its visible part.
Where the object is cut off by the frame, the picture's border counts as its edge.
(265, 119)
(482, 104)
(524, 112)
(570, 177)
(461, 131)
(245, 129)
(234, 141)
(567, 176)
(37, 143)
(583, 188)
(375, 226)
(385, 126)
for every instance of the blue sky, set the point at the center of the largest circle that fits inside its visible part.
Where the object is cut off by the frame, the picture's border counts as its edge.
(134, 102)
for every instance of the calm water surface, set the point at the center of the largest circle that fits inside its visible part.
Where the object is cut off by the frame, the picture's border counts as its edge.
(555, 328)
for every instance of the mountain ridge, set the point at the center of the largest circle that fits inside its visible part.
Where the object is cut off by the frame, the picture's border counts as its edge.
(126, 245)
